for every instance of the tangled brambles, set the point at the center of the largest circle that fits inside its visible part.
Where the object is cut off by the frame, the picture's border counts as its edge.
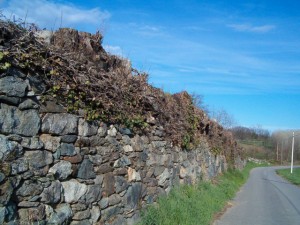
(86, 80)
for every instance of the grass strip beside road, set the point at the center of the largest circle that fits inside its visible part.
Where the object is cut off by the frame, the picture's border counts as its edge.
(293, 178)
(197, 204)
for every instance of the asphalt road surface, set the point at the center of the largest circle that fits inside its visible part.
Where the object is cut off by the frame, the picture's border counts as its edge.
(266, 199)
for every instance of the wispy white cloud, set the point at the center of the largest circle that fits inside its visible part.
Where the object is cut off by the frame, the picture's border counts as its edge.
(115, 50)
(195, 28)
(252, 29)
(150, 30)
(50, 14)
(212, 70)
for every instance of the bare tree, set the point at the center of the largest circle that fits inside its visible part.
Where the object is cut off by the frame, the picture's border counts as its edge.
(198, 101)
(223, 118)
(284, 141)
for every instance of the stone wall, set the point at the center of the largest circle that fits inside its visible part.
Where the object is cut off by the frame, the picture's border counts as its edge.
(57, 168)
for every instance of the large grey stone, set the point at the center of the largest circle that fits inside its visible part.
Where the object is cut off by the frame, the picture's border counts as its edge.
(52, 194)
(159, 144)
(98, 180)
(125, 131)
(6, 190)
(97, 141)
(118, 220)
(62, 215)
(32, 143)
(96, 159)
(19, 166)
(126, 140)
(51, 107)
(155, 159)
(82, 215)
(28, 104)
(30, 188)
(67, 149)
(93, 194)
(158, 170)
(133, 175)
(128, 148)
(38, 159)
(13, 86)
(121, 184)
(79, 207)
(163, 177)
(103, 203)
(69, 138)
(2, 214)
(73, 190)
(95, 214)
(15, 121)
(5, 147)
(183, 172)
(102, 130)
(60, 124)
(112, 131)
(87, 129)
(50, 142)
(27, 204)
(81, 222)
(114, 199)
(134, 219)
(139, 143)
(9, 149)
(133, 196)
(86, 170)
(122, 162)
(104, 168)
(108, 184)
(61, 170)
(32, 215)
(110, 212)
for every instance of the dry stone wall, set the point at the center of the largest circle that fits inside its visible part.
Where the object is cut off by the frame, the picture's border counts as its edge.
(57, 168)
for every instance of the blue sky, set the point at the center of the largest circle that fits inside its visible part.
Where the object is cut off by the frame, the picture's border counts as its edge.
(242, 56)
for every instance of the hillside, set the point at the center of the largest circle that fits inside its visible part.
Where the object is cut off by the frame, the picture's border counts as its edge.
(84, 139)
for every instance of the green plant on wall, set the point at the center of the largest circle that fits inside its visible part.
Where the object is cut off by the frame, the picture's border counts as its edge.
(135, 122)
(216, 150)
(4, 65)
(186, 142)
(53, 91)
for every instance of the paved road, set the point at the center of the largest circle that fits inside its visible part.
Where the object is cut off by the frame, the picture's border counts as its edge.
(266, 199)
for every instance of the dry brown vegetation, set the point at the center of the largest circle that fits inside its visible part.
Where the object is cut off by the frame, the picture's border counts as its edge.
(77, 71)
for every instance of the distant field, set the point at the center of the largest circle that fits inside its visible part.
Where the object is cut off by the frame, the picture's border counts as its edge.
(255, 142)
(293, 178)
(256, 149)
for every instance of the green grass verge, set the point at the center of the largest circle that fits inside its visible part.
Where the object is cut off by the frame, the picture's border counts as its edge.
(196, 204)
(293, 178)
